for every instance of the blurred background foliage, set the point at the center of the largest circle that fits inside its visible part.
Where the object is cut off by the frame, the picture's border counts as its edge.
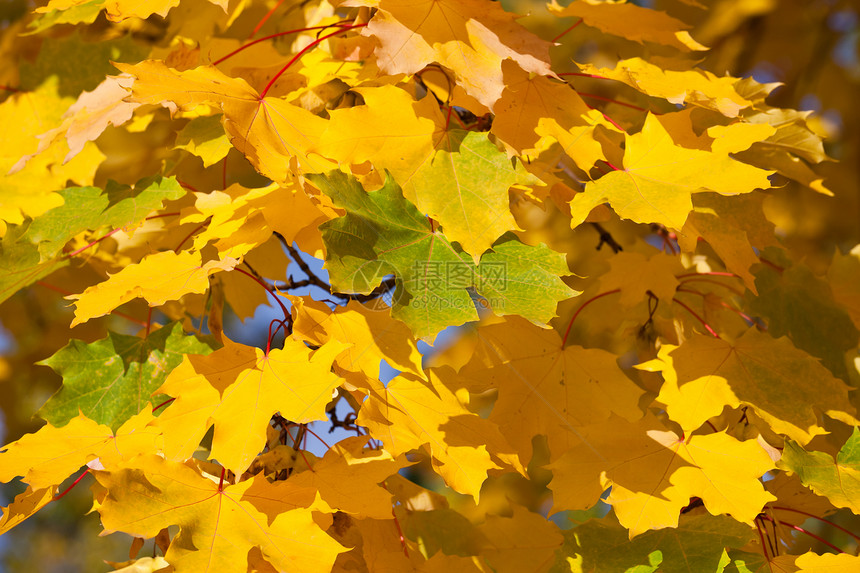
(812, 47)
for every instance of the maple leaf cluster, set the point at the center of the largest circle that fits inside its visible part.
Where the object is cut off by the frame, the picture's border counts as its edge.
(677, 399)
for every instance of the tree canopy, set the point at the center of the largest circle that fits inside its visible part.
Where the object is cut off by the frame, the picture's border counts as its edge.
(438, 285)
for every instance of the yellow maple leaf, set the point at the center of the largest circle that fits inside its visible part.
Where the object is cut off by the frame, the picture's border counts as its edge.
(630, 21)
(696, 87)
(272, 133)
(217, 526)
(634, 274)
(25, 505)
(545, 388)
(786, 387)
(733, 227)
(827, 563)
(88, 117)
(50, 455)
(30, 190)
(119, 10)
(659, 177)
(520, 542)
(347, 478)
(374, 336)
(653, 474)
(391, 130)
(409, 412)
(468, 37)
(158, 278)
(692, 404)
(238, 388)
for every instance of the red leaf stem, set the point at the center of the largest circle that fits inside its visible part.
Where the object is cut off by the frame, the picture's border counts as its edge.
(165, 403)
(554, 40)
(68, 489)
(610, 100)
(723, 303)
(192, 233)
(713, 282)
(581, 308)
(804, 531)
(269, 37)
(314, 434)
(93, 243)
(697, 317)
(269, 290)
(763, 546)
(265, 18)
(301, 52)
(813, 516)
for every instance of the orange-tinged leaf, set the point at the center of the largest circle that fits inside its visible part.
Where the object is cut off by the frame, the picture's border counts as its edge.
(348, 478)
(272, 133)
(531, 103)
(546, 389)
(25, 505)
(88, 117)
(158, 278)
(469, 37)
(659, 177)
(787, 387)
(291, 212)
(217, 527)
(631, 22)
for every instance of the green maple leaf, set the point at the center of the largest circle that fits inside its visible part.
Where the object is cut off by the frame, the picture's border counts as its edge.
(465, 188)
(111, 379)
(838, 480)
(91, 208)
(27, 253)
(85, 13)
(695, 546)
(437, 283)
(800, 305)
